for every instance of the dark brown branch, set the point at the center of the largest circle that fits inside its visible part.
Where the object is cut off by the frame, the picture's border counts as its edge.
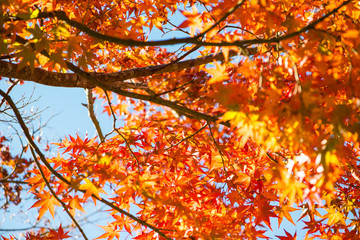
(193, 40)
(95, 81)
(32, 144)
(153, 99)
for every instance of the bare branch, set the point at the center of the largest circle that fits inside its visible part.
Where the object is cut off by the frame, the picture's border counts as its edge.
(13, 181)
(90, 107)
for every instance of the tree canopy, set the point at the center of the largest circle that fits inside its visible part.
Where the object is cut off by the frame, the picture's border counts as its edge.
(239, 112)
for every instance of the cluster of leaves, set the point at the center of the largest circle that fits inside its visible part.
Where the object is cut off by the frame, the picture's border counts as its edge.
(205, 152)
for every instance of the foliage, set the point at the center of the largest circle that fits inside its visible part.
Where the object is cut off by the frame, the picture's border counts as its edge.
(250, 113)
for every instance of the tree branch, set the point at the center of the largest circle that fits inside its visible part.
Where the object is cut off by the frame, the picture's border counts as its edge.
(13, 181)
(193, 40)
(93, 79)
(115, 79)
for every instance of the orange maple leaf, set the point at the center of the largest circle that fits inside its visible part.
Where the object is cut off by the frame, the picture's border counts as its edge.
(284, 211)
(46, 202)
(123, 222)
(218, 73)
(193, 21)
(74, 203)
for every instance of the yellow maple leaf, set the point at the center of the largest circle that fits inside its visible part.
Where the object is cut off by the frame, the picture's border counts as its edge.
(90, 189)
(105, 160)
(334, 216)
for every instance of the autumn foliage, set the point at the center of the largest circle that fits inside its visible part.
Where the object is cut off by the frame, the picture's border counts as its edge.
(225, 114)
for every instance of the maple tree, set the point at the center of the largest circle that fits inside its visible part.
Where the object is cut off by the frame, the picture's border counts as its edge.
(250, 113)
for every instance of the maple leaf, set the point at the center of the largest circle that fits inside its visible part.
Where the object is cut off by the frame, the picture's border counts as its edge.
(284, 211)
(334, 216)
(11, 238)
(265, 211)
(28, 57)
(74, 203)
(193, 21)
(218, 73)
(37, 181)
(121, 222)
(59, 234)
(111, 230)
(105, 160)
(46, 202)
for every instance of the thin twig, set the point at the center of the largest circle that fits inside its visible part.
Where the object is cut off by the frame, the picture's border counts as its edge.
(118, 132)
(223, 162)
(219, 150)
(8, 91)
(151, 98)
(169, 65)
(13, 181)
(176, 88)
(221, 19)
(188, 137)
(5, 179)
